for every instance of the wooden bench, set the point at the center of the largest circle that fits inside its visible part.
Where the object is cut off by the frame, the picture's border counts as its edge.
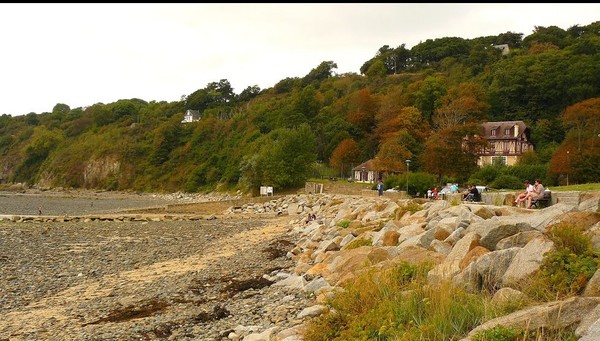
(543, 201)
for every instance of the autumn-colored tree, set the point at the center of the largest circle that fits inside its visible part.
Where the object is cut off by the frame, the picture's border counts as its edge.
(392, 155)
(452, 151)
(537, 48)
(583, 120)
(561, 164)
(347, 152)
(391, 120)
(389, 108)
(362, 109)
(579, 154)
(463, 103)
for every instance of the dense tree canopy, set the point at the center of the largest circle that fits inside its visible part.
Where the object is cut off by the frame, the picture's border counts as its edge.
(422, 103)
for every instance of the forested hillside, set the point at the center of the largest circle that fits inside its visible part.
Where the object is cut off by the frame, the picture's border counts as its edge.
(417, 104)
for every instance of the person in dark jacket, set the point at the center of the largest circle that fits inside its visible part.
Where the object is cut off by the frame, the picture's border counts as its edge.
(380, 187)
(473, 194)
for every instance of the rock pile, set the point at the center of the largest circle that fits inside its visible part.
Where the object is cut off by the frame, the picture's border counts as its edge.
(476, 246)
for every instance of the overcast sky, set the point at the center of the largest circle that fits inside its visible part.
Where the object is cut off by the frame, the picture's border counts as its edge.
(82, 54)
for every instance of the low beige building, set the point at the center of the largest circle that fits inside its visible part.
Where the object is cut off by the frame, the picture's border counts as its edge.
(371, 171)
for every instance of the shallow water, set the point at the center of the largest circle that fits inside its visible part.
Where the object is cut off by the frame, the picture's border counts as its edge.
(40, 204)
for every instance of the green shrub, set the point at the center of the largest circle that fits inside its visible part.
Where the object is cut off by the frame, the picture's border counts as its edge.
(486, 175)
(528, 172)
(418, 182)
(498, 333)
(507, 182)
(393, 181)
(509, 177)
(343, 223)
(395, 304)
(570, 237)
(565, 271)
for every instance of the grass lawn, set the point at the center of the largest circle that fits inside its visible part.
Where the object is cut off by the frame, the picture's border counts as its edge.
(582, 187)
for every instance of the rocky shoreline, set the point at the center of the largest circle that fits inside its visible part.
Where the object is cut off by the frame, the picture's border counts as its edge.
(259, 271)
(130, 276)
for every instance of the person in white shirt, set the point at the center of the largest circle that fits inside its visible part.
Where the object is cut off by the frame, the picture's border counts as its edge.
(523, 195)
(537, 193)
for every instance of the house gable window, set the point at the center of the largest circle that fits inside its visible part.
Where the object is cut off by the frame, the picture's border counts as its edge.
(493, 132)
(506, 131)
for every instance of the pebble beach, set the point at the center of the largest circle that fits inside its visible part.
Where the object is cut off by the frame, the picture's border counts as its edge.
(142, 279)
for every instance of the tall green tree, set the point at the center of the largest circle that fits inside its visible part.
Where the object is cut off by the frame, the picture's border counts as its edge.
(320, 73)
(284, 158)
(35, 152)
(427, 94)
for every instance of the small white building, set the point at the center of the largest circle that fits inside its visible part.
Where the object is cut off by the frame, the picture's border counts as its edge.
(365, 172)
(504, 48)
(191, 116)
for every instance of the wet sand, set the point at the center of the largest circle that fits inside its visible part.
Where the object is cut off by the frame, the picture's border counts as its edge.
(70, 203)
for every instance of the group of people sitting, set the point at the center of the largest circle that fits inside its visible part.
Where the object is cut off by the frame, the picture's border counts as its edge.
(531, 193)
(432, 194)
(528, 197)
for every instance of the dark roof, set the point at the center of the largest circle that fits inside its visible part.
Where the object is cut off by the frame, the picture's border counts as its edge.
(517, 129)
(368, 165)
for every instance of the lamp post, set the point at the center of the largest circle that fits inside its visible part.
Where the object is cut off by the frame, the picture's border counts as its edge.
(407, 170)
(567, 168)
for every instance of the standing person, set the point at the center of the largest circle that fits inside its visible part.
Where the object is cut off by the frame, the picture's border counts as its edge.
(435, 194)
(454, 188)
(429, 193)
(537, 193)
(380, 187)
(521, 197)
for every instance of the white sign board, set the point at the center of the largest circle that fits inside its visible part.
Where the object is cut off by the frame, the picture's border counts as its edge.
(266, 190)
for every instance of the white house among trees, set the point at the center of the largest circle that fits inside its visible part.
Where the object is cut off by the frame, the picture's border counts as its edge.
(191, 116)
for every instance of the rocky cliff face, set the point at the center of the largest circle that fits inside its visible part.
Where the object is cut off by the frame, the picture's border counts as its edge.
(97, 170)
(94, 173)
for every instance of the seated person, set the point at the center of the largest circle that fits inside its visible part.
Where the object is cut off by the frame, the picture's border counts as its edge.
(521, 197)
(475, 192)
(537, 193)
(467, 192)
(311, 217)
